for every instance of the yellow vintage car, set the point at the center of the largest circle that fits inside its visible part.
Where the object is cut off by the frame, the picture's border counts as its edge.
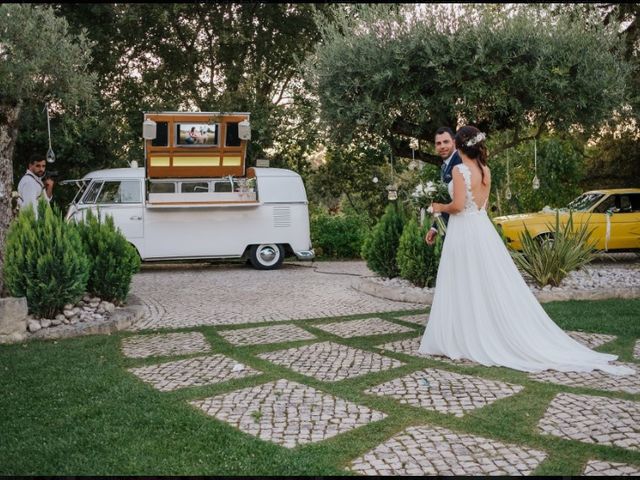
(613, 215)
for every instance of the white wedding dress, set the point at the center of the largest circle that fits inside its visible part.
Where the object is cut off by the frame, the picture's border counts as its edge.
(484, 311)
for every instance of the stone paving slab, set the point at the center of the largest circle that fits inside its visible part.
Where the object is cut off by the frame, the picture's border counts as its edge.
(362, 328)
(192, 372)
(265, 335)
(293, 292)
(589, 419)
(636, 350)
(410, 347)
(288, 413)
(591, 340)
(420, 319)
(445, 392)
(329, 361)
(143, 346)
(610, 469)
(427, 450)
(596, 379)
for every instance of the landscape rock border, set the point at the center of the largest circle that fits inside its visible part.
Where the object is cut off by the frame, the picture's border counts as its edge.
(403, 294)
(120, 319)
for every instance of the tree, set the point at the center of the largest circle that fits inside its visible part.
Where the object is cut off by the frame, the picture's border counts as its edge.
(39, 62)
(521, 72)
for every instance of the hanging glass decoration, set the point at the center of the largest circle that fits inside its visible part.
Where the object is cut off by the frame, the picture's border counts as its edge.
(392, 188)
(536, 181)
(51, 157)
(507, 193)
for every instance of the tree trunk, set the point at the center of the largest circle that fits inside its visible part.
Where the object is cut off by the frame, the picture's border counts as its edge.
(9, 115)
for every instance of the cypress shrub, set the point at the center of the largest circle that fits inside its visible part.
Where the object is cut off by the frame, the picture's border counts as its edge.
(380, 246)
(113, 260)
(417, 261)
(45, 260)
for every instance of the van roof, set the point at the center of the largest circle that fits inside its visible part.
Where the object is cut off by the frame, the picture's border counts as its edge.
(139, 173)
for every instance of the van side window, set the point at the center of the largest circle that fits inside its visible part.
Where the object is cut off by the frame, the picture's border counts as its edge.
(194, 187)
(92, 192)
(120, 191)
(162, 187)
(232, 139)
(222, 186)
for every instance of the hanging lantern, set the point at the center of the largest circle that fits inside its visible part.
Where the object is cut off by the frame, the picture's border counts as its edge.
(392, 192)
(536, 181)
(507, 193)
(51, 157)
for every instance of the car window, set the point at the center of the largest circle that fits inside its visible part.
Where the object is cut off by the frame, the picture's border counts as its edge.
(120, 191)
(607, 204)
(225, 186)
(585, 201)
(92, 192)
(634, 198)
(194, 187)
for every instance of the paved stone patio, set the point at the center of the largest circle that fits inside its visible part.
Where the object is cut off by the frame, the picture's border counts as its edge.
(410, 347)
(142, 346)
(265, 335)
(330, 361)
(362, 328)
(590, 419)
(288, 413)
(591, 340)
(192, 372)
(445, 392)
(595, 379)
(420, 319)
(427, 450)
(296, 291)
(636, 349)
(610, 469)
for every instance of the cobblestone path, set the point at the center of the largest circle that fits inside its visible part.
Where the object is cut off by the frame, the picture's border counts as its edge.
(291, 413)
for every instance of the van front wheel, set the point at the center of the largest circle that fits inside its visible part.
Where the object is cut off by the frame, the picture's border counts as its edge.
(267, 256)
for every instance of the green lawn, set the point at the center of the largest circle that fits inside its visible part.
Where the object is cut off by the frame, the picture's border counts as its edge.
(69, 407)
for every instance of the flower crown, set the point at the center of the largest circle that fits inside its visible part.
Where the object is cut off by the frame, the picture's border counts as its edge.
(477, 139)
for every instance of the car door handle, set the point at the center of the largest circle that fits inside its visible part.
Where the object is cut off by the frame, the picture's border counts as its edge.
(135, 217)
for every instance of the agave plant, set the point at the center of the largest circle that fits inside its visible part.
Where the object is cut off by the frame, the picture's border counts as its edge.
(549, 261)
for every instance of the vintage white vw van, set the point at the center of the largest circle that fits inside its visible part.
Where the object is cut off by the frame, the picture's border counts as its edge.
(173, 208)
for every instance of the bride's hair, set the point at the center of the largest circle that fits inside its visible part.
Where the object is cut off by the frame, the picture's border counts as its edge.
(470, 141)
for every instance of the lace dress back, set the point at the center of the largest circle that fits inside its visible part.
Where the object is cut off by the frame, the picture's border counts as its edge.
(470, 205)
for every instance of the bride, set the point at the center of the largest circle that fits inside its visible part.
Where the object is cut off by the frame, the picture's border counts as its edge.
(482, 308)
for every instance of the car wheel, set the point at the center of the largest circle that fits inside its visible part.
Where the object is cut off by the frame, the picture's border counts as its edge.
(267, 256)
(546, 239)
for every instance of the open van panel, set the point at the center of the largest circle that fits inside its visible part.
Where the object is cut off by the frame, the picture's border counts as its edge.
(195, 145)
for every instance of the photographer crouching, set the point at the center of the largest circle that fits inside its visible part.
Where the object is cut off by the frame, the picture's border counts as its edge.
(35, 183)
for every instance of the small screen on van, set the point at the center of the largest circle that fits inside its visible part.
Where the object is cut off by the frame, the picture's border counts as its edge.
(194, 134)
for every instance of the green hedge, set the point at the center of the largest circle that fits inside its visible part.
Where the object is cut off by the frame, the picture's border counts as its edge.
(338, 236)
(417, 261)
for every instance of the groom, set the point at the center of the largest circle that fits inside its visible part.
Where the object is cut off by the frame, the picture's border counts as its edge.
(445, 148)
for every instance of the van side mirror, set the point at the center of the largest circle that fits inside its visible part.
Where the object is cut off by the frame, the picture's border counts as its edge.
(244, 130)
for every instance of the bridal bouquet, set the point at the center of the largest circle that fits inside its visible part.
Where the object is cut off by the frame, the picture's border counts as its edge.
(425, 194)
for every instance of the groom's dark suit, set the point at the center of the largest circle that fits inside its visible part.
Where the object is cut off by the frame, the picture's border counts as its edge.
(446, 175)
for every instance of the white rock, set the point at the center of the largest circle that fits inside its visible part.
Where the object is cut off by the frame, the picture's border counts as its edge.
(86, 298)
(33, 326)
(68, 306)
(109, 307)
(45, 323)
(56, 322)
(60, 317)
(68, 313)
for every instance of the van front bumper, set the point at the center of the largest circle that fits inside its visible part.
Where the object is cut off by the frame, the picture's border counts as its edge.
(305, 254)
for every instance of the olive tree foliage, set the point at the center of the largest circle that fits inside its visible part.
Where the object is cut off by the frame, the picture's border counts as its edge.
(402, 73)
(198, 57)
(40, 61)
